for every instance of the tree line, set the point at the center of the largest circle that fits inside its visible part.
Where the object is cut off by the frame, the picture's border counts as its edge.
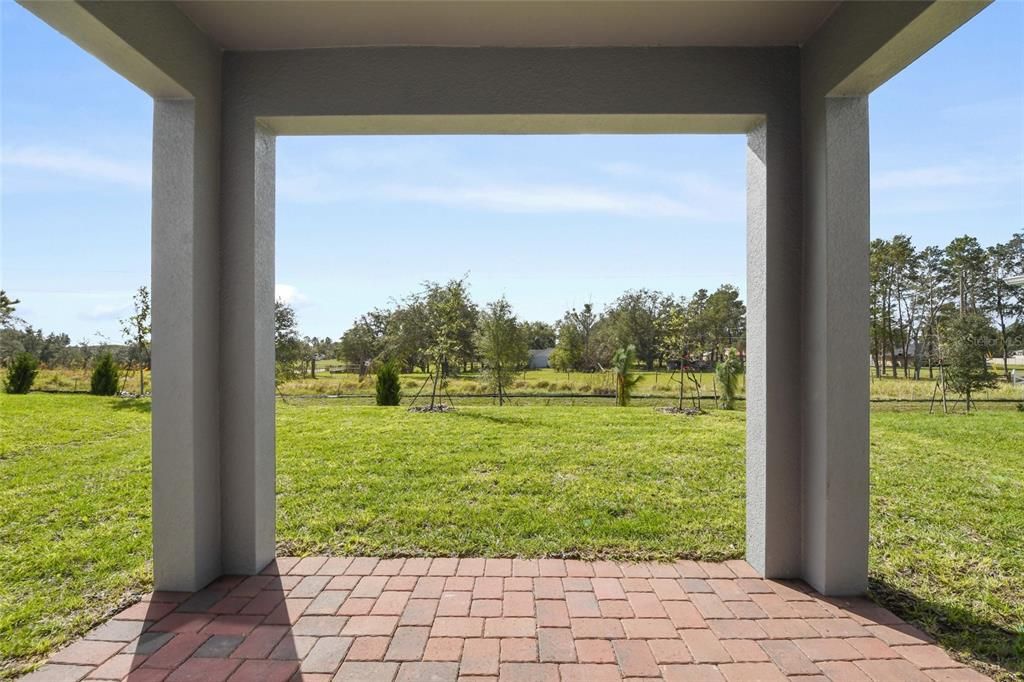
(919, 297)
(661, 327)
(932, 307)
(441, 331)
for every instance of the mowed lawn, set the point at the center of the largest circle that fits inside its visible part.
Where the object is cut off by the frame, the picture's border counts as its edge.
(947, 503)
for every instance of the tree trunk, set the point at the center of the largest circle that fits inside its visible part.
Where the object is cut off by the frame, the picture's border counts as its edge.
(1006, 353)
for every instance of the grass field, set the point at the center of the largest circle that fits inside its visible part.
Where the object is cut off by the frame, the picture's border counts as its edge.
(947, 503)
(657, 388)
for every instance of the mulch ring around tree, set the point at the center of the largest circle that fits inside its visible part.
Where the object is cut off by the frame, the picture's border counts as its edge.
(687, 411)
(440, 407)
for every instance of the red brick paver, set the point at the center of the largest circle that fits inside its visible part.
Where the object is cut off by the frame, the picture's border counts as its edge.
(515, 620)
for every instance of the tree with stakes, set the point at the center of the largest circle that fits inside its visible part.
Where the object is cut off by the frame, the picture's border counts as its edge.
(287, 344)
(451, 320)
(502, 346)
(137, 328)
(963, 354)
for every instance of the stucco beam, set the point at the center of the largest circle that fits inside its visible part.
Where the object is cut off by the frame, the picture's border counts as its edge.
(512, 81)
(151, 44)
(864, 44)
(526, 124)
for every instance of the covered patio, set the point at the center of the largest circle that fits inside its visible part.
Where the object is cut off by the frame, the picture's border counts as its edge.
(227, 78)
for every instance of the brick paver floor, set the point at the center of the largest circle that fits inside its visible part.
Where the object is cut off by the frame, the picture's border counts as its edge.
(408, 620)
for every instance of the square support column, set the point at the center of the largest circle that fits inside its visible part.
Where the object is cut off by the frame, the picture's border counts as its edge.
(185, 281)
(247, 471)
(835, 340)
(774, 244)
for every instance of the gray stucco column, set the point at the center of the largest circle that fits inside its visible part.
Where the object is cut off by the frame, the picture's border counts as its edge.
(774, 243)
(185, 282)
(185, 426)
(247, 343)
(835, 339)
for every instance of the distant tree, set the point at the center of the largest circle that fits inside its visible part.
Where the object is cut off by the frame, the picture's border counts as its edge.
(502, 347)
(623, 362)
(104, 375)
(363, 341)
(388, 385)
(965, 265)
(635, 317)
(576, 332)
(725, 320)
(136, 329)
(287, 345)
(21, 373)
(932, 295)
(560, 360)
(1005, 302)
(85, 352)
(7, 307)
(313, 348)
(539, 335)
(407, 333)
(964, 342)
(727, 372)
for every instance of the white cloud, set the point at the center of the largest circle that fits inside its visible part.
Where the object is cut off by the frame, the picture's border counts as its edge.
(691, 199)
(105, 313)
(529, 198)
(79, 164)
(944, 176)
(289, 294)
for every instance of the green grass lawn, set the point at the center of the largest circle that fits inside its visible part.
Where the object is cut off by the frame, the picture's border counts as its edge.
(947, 505)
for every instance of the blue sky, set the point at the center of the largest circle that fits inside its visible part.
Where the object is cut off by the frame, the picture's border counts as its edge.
(551, 222)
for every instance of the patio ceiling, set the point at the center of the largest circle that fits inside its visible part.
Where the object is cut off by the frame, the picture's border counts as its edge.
(277, 25)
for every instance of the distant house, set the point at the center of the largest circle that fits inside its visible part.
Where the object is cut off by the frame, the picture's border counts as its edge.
(539, 358)
(1015, 281)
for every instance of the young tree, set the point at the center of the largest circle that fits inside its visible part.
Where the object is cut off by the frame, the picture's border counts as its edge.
(451, 319)
(136, 328)
(963, 352)
(623, 362)
(502, 347)
(287, 345)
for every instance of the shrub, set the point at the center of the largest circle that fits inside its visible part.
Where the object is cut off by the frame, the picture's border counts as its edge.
(625, 380)
(21, 373)
(104, 376)
(728, 371)
(389, 385)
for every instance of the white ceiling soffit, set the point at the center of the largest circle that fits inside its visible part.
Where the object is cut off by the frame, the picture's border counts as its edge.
(295, 24)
